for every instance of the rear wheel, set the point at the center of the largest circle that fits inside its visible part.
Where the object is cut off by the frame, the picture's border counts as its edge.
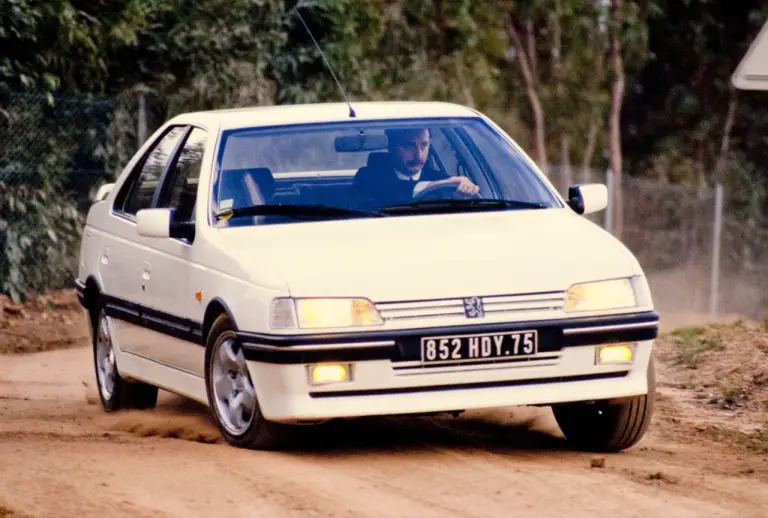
(115, 392)
(231, 394)
(604, 427)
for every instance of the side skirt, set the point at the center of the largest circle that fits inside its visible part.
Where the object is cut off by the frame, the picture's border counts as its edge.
(182, 383)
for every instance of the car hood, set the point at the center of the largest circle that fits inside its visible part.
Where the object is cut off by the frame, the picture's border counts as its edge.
(432, 256)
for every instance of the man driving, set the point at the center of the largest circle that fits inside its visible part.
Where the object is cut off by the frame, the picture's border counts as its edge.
(406, 173)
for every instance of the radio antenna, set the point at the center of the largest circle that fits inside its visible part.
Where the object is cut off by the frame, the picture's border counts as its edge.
(330, 69)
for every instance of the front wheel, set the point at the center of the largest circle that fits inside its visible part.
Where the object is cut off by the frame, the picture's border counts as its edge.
(231, 394)
(604, 427)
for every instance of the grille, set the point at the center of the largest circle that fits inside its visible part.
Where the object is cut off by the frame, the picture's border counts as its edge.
(496, 306)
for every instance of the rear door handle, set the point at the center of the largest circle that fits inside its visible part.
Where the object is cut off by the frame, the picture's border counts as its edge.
(145, 275)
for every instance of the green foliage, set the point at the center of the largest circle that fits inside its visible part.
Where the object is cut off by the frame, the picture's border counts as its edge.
(39, 241)
(38, 146)
(675, 116)
(59, 42)
(188, 55)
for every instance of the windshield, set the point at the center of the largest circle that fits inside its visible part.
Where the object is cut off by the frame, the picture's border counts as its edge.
(371, 168)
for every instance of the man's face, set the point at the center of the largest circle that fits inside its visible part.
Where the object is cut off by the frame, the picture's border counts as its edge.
(411, 152)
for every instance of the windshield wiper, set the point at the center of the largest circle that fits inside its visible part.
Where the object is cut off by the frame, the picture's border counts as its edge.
(469, 204)
(295, 211)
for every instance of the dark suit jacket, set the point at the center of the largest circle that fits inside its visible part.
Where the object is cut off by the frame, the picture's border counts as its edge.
(375, 187)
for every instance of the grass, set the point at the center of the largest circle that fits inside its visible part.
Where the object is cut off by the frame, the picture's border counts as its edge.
(691, 343)
(726, 363)
(756, 441)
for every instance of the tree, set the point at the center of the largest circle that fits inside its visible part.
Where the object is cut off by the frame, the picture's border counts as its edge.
(617, 99)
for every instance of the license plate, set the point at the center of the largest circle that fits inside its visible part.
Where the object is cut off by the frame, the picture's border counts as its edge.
(492, 346)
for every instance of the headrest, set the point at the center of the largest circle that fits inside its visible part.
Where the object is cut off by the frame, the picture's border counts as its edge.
(262, 176)
(378, 159)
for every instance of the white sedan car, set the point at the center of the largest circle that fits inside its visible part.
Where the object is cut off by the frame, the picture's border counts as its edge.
(294, 264)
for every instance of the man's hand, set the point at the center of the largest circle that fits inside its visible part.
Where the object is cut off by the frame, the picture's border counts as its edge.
(464, 185)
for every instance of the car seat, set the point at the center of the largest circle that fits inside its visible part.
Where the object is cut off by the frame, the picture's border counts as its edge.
(239, 188)
(378, 159)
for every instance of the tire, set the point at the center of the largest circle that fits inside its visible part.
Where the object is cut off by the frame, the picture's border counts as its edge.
(244, 427)
(608, 428)
(115, 392)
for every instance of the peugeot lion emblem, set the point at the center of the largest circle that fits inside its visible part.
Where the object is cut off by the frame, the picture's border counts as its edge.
(473, 307)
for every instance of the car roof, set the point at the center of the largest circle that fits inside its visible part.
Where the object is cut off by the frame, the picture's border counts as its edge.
(232, 118)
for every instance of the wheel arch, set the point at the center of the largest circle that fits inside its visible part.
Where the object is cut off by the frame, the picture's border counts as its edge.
(91, 295)
(215, 308)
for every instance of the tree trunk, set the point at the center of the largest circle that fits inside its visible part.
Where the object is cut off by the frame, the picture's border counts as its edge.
(614, 140)
(556, 49)
(589, 152)
(461, 76)
(566, 176)
(530, 86)
(532, 56)
(596, 122)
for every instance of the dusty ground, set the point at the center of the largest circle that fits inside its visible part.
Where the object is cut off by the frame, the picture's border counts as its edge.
(61, 456)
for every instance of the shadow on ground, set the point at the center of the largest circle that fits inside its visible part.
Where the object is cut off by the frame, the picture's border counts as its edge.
(498, 430)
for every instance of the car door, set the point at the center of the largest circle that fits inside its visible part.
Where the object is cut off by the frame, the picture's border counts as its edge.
(170, 302)
(124, 254)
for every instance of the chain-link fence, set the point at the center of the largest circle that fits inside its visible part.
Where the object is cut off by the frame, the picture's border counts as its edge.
(54, 155)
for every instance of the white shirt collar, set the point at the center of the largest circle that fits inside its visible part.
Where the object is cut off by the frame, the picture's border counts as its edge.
(402, 176)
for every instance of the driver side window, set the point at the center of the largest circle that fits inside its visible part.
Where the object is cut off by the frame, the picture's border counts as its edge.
(180, 191)
(146, 182)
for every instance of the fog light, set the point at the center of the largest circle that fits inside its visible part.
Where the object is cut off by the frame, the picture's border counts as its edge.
(614, 353)
(329, 373)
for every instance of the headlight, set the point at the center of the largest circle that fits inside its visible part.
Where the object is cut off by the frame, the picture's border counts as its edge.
(288, 313)
(601, 295)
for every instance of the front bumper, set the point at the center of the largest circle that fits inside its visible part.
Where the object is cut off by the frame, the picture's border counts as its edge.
(388, 377)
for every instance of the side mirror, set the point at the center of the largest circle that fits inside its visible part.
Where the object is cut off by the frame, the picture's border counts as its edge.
(588, 198)
(160, 223)
(103, 192)
(154, 222)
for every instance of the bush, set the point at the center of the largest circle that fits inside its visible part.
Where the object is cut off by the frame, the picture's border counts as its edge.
(39, 241)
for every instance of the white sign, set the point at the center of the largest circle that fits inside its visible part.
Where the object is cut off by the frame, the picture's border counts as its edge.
(752, 72)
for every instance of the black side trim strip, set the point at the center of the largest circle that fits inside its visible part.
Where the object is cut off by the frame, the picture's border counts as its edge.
(181, 328)
(80, 290)
(465, 386)
(650, 317)
(123, 312)
(298, 356)
(176, 327)
(598, 336)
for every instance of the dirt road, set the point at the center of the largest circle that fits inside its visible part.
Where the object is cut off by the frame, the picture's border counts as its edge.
(61, 456)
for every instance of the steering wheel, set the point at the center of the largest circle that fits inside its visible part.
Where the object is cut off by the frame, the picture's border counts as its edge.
(442, 192)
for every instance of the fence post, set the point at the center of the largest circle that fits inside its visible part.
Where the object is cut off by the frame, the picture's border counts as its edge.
(142, 129)
(609, 209)
(716, 245)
